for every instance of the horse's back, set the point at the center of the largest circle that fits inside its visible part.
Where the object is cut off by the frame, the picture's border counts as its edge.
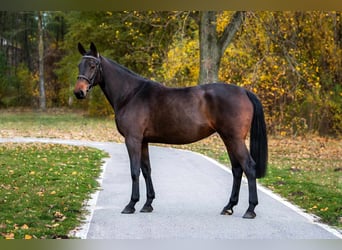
(223, 92)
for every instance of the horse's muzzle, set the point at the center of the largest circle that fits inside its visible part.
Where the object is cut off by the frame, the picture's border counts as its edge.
(80, 94)
(81, 89)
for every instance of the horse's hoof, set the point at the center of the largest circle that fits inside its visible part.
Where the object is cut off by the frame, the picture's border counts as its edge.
(249, 215)
(228, 211)
(146, 209)
(128, 210)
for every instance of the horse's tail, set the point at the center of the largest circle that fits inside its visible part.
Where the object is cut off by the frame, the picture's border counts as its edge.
(258, 137)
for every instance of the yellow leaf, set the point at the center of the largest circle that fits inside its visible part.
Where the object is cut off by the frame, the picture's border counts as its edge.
(53, 192)
(28, 237)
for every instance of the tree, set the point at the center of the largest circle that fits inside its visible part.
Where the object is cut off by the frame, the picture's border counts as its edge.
(292, 61)
(18, 46)
(213, 45)
(42, 96)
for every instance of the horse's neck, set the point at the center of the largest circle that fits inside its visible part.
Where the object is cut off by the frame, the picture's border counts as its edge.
(118, 85)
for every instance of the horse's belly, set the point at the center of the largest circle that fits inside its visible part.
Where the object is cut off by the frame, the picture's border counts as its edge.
(179, 134)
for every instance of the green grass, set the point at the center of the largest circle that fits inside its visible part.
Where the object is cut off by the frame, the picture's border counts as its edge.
(43, 188)
(317, 189)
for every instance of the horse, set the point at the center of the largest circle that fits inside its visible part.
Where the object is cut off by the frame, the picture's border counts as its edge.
(149, 112)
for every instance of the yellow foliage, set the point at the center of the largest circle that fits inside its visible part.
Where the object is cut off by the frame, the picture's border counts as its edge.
(291, 60)
(223, 19)
(180, 68)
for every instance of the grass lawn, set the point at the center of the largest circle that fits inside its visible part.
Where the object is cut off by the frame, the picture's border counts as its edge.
(43, 188)
(57, 125)
(308, 172)
(305, 170)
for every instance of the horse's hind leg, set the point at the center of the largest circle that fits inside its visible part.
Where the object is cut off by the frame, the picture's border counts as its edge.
(146, 170)
(234, 197)
(239, 152)
(252, 190)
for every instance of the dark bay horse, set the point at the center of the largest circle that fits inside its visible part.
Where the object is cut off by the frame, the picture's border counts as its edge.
(146, 111)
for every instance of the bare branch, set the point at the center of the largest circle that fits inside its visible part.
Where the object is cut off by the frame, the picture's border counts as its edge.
(230, 30)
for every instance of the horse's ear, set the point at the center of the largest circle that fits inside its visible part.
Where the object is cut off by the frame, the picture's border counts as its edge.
(93, 49)
(81, 49)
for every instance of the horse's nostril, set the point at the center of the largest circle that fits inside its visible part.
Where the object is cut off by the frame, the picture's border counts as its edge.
(79, 94)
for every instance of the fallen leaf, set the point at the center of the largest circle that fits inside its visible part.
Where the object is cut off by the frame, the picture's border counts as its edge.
(8, 236)
(61, 219)
(28, 237)
(40, 193)
(58, 214)
(52, 226)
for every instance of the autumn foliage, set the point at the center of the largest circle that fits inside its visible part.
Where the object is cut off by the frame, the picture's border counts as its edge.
(291, 60)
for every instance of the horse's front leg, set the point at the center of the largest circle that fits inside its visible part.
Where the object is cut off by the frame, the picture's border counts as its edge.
(134, 151)
(146, 170)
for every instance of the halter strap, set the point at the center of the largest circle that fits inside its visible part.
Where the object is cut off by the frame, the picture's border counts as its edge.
(97, 59)
(91, 81)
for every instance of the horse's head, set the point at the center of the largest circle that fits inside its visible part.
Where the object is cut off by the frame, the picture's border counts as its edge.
(89, 71)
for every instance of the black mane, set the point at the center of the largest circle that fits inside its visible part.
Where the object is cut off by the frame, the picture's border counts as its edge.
(127, 70)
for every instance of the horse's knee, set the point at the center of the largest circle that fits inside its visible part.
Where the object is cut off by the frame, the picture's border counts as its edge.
(146, 172)
(237, 172)
(135, 175)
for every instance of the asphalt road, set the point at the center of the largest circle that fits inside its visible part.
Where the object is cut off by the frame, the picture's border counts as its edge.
(191, 191)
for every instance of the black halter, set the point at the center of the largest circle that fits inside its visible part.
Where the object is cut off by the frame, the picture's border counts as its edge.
(91, 79)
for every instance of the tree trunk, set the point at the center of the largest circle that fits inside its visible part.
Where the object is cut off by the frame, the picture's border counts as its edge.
(42, 97)
(212, 46)
(209, 53)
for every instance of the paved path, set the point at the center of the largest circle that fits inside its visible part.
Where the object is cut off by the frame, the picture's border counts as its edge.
(191, 190)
